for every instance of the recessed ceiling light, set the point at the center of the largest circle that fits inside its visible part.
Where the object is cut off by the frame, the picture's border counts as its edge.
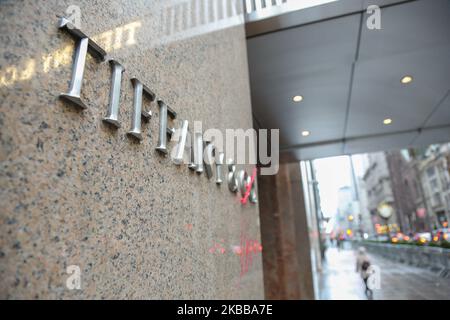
(306, 133)
(387, 121)
(297, 98)
(407, 79)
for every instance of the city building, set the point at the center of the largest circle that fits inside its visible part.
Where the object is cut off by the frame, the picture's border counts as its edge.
(365, 218)
(347, 212)
(434, 167)
(401, 178)
(406, 187)
(380, 196)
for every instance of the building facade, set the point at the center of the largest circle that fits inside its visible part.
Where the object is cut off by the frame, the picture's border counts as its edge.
(380, 196)
(99, 102)
(365, 218)
(415, 182)
(434, 168)
(347, 212)
(81, 197)
(407, 190)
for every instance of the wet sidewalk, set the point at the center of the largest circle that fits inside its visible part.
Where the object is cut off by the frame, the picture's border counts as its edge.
(339, 281)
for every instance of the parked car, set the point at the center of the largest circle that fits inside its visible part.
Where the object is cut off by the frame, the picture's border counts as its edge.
(441, 234)
(422, 237)
(399, 236)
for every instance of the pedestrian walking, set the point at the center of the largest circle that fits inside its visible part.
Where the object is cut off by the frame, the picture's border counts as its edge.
(362, 266)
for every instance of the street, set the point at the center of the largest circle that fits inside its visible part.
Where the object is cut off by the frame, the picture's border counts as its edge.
(398, 281)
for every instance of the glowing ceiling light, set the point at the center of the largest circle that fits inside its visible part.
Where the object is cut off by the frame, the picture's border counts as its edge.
(306, 133)
(406, 79)
(297, 98)
(387, 121)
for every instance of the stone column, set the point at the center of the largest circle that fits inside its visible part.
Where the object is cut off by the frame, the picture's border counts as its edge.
(284, 234)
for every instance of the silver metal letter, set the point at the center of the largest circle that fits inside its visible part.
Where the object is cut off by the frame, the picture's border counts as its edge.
(138, 112)
(209, 152)
(198, 152)
(191, 140)
(219, 162)
(84, 44)
(181, 146)
(114, 97)
(163, 129)
(252, 197)
(232, 180)
(242, 177)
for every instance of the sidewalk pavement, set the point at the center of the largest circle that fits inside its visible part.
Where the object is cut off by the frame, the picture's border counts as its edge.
(339, 281)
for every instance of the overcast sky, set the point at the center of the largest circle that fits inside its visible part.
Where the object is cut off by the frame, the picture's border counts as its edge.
(334, 173)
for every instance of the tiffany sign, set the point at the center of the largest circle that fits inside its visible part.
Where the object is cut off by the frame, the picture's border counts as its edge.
(192, 149)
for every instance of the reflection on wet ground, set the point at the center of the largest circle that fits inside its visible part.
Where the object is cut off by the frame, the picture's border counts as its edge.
(339, 281)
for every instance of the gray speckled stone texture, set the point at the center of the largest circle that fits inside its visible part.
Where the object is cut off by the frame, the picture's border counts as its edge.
(77, 192)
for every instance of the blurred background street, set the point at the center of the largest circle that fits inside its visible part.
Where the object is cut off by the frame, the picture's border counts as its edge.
(366, 111)
(399, 281)
(395, 205)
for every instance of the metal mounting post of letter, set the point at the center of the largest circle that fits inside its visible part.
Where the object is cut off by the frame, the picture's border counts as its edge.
(84, 45)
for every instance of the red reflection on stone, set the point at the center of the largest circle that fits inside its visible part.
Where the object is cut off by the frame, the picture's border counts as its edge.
(217, 248)
(249, 248)
(249, 187)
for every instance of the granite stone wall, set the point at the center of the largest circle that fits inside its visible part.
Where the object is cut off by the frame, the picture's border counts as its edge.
(287, 259)
(74, 191)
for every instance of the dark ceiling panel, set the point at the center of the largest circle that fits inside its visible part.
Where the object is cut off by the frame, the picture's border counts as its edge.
(407, 27)
(379, 143)
(312, 15)
(414, 40)
(322, 111)
(441, 116)
(314, 152)
(312, 47)
(313, 61)
(379, 94)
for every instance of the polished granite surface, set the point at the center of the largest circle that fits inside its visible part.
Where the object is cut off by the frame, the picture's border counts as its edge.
(75, 191)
